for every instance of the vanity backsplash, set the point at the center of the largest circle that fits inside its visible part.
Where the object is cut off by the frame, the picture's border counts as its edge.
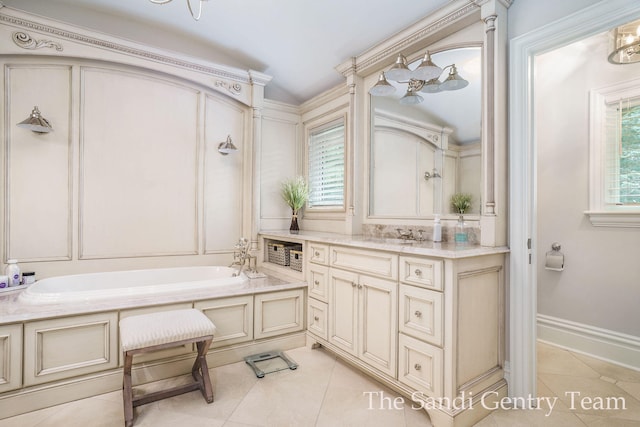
(390, 231)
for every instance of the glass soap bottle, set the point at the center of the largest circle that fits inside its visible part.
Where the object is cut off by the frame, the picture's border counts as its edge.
(460, 235)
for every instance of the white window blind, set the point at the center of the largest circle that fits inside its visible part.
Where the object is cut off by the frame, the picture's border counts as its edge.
(622, 153)
(326, 166)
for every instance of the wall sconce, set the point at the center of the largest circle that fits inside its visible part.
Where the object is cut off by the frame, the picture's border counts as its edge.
(227, 147)
(36, 123)
(428, 175)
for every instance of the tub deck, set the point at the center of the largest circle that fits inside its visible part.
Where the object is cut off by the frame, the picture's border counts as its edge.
(12, 310)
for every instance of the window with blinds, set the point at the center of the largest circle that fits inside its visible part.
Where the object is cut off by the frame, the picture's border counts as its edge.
(622, 153)
(326, 166)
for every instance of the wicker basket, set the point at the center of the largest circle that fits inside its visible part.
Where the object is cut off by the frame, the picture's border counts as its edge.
(295, 260)
(278, 253)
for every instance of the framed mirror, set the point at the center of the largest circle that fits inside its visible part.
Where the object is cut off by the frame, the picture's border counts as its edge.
(424, 151)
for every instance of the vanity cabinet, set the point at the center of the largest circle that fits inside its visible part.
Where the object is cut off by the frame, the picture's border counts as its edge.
(430, 326)
(10, 357)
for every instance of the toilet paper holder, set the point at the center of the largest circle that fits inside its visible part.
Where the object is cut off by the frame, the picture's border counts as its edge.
(554, 259)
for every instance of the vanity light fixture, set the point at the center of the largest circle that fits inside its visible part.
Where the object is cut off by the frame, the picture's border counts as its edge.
(193, 14)
(425, 78)
(36, 123)
(624, 44)
(227, 147)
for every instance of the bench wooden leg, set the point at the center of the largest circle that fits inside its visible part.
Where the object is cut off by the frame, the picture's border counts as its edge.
(200, 370)
(127, 392)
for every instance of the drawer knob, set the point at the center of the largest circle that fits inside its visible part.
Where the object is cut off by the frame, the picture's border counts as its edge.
(418, 272)
(316, 253)
(353, 284)
(359, 286)
(418, 313)
(317, 283)
(316, 318)
(417, 367)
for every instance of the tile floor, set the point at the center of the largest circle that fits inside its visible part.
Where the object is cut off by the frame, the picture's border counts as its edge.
(324, 391)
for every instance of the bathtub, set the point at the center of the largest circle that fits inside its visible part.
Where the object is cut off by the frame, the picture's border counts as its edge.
(93, 287)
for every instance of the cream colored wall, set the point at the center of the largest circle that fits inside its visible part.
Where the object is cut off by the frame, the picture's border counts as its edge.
(129, 178)
(599, 285)
(280, 158)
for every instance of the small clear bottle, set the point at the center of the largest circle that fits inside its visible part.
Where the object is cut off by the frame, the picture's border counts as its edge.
(13, 271)
(460, 235)
(437, 229)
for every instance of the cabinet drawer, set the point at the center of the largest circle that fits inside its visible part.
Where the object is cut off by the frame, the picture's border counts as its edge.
(420, 366)
(319, 282)
(369, 262)
(278, 313)
(421, 313)
(318, 253)
(10, 357)
(317, 319)
(423, 272)
(233, 318)
(62, 348)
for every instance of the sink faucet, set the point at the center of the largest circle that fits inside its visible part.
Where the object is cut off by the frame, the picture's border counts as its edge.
(241, 255)
(405, 234)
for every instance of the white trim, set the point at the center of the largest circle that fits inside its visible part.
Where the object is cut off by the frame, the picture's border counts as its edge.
(610, 346)
(522, 161)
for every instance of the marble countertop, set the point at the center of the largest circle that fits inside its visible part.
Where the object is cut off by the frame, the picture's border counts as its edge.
(13, 310)
(410, 247)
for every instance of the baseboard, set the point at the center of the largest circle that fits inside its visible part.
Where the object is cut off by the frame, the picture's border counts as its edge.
(57, 392)
(610, 346)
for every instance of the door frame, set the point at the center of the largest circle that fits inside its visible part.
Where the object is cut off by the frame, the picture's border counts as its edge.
(597, 18)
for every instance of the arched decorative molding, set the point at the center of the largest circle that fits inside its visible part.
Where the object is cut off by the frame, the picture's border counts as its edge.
(39, 35)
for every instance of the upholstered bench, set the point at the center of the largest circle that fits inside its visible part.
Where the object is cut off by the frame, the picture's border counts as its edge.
(156, 331)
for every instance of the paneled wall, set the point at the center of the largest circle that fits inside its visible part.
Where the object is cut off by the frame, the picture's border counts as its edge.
(130, 177)
(280, 158)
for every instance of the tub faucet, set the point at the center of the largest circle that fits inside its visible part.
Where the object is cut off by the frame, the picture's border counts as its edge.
(241, 256)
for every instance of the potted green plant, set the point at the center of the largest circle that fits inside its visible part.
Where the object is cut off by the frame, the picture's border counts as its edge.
(295, 192)
(461, 202)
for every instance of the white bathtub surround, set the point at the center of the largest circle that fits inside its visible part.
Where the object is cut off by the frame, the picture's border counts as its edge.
(71, 349)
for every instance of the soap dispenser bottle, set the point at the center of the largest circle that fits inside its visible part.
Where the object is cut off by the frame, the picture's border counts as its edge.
(13, 271)
(437, 229)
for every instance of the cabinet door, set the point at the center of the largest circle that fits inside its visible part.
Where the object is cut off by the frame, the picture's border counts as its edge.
(278, 313)
(319, 282)
(378, 327)
(233, 318)
(10, 357)
(343, 310)
(61, 348)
